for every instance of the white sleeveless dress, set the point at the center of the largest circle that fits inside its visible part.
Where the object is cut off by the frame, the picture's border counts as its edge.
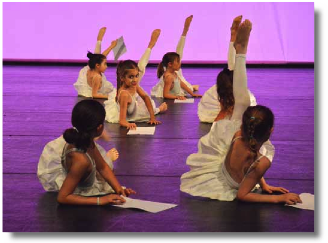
(52, 174)
(83, 88)
(158, 89)
(208, 176)
(137, 110)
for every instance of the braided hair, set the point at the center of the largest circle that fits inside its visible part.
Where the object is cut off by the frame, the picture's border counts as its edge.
(257, 124)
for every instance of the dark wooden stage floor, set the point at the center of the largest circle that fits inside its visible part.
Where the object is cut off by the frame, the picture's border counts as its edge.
(37, 103)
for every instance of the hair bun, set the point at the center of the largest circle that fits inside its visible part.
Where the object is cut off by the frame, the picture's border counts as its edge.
(89, 55)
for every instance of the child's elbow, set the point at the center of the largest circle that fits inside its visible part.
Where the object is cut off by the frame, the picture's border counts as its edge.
(241, 196)
(61, 199)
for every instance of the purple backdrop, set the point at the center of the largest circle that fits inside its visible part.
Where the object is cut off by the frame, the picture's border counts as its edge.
(282, 32)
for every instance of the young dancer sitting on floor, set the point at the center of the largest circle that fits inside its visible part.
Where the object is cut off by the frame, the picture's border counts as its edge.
(217, 102)
(77, 167)
(92, 81)
(131, 103)
(234, 156)
(172, 84)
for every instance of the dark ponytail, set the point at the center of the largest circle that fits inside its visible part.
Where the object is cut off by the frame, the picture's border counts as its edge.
(95, 59)
(168, 57)
(257, 124)
(87, 115)
(224, 88)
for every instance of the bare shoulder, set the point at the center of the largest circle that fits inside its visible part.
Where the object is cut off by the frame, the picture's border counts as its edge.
(124, 95)
(263, 165)
(79, 161)
(168, 78)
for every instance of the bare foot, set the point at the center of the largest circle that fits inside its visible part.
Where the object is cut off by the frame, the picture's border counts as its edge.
(101, 34)
(154, 38)
(187, 25)
(195, 87)
(163, 107)
(234, 27)
(242, 38)
(113, 154)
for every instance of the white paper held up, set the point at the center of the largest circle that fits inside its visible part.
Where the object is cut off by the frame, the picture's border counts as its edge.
(153, 207)
(307, 202)
(119, 49)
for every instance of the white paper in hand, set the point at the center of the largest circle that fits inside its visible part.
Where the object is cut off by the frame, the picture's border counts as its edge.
(119, 49)
(184, 101)
(307, 202)
(142, 131)
(153, 207)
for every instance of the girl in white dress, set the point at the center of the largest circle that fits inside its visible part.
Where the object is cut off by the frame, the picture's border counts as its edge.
(92, 81)
(172, 84)
(217, 102)
(233, 157)
(76, 166)
(132, 103)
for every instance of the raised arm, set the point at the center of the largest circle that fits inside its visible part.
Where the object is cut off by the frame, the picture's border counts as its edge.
(240, 90)
(142, 64)
(111, 47)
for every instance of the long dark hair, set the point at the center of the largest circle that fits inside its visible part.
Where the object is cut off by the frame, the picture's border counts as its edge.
(87, 115)
(168, 57)
(122, 69)
(224, 88)
(95, 59)
(257, 124)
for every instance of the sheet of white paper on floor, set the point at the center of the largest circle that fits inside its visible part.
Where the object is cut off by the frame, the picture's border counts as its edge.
(184, 101)
(142, 131)
(153, 207)
(119, 49)
(307, 202)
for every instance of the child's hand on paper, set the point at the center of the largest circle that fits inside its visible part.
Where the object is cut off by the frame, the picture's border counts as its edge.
(112, 199)
(291, 198)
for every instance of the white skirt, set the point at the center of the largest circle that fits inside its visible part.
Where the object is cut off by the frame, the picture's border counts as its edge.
(207, 176)
(140, 113)
(52, 174)
(209, 106)
(83, 89)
